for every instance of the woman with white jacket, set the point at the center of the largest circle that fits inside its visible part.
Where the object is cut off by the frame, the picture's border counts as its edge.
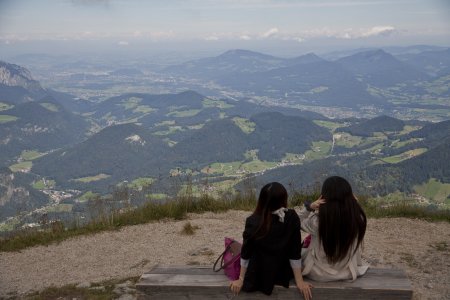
(337, 225)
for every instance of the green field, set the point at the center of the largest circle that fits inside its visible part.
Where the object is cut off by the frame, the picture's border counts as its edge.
(39, 185)
(207, 102)
(434, 190)
(130, 103)
(9, 224)
(245, 125)
(319, 150)
(22, 166)
(171, 130)
(49, 106)
(156, 196)
(87, 196)
(196, 127)
(329, 124)
(141, 182)
(403, 156)
(347, 140)
(184, 113)
(145, 109)
(30, 154)
(165, 123)
(7, 118)
(92, 178)
(399, 144)
(4, 106)
(238, 168)
(318, 89)
(294, 158)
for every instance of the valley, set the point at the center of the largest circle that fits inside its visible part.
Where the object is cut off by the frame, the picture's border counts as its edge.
(121, 134)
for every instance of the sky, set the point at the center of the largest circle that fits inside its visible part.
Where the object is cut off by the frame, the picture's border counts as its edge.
(27, 25)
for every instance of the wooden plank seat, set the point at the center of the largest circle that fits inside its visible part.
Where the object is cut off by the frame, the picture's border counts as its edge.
(200, 282)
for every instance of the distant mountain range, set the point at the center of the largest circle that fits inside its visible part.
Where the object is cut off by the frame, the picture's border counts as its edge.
(311, 79)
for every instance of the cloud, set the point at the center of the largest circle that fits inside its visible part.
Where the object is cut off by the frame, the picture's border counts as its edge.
(123, 43)
(104, 3)
(270, 33)
(378, 30)
(211, 38)
(245, 37)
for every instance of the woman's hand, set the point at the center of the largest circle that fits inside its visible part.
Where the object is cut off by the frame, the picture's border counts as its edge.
(236, 286)
(305, 289)
(316, 204)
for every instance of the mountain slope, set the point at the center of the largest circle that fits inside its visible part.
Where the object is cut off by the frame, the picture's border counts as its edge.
(121, 152)
(321, 83)
(377, 124)
(380, 68)
(40, 126)
(17, 85)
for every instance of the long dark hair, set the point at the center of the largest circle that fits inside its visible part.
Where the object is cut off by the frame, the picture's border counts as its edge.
(272, 197)
(341, 219)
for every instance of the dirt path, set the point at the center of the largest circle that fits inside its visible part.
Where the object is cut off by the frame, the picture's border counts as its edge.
(419, 247)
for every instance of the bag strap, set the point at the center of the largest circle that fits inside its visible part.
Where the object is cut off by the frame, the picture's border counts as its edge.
(221, 256)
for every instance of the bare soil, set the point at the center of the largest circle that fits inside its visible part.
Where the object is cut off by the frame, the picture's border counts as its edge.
(421, 248)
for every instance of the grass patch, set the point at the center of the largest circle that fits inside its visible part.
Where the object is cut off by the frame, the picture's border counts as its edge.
(42, 185)
(49, 106)
(145, 109)
(402, 208)
(30, 154)
(156, 196)
(332, 126)
(171, 130)
(188, 229)
(7, 118)
(318, 89)
(434, 190)
(24, 166)
(5, 106)
(404, 156)
(88, 196)
(92, 178)
(141, 182)
(347, 140)
(130, 103)
(97, 291)
(184, 113)
(244, 124)
(178, 208)
(319, 150)
(207, 102)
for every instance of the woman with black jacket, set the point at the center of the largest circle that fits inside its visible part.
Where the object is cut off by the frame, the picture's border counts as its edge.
(271, 250)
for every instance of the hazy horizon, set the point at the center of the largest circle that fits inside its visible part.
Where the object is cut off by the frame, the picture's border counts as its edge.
(208, 27)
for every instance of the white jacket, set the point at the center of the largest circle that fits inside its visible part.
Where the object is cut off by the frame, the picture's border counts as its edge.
(314, 259)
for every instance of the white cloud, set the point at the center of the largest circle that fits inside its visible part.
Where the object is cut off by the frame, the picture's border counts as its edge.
(378, 30)
(245, 37)
(211, 38)
(123, 43)
(270, 33)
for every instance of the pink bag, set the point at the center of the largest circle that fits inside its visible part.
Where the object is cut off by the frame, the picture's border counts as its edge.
(230, 259)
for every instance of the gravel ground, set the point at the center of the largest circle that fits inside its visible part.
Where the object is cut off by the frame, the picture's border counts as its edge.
(421, 248)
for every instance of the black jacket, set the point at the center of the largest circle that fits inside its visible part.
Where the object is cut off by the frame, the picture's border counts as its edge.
(269, 256)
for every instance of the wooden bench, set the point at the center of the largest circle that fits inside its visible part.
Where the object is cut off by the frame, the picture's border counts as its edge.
(200, 282)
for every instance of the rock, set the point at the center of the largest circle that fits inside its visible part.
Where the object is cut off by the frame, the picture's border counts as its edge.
(83, 285)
